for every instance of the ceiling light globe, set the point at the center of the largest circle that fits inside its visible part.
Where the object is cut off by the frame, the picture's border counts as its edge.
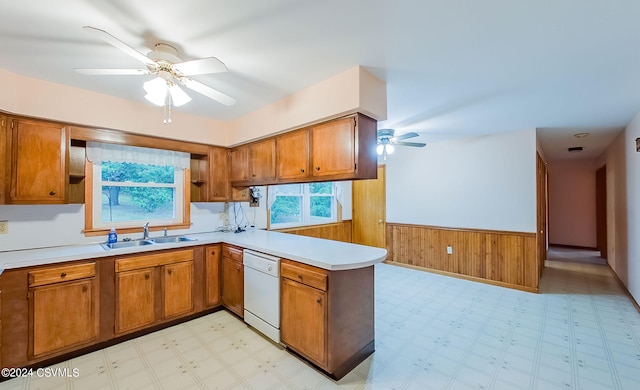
(389, 148)
(380, 149)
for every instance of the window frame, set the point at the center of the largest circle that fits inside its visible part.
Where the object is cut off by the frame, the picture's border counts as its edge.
(95, 229)
(307, 219)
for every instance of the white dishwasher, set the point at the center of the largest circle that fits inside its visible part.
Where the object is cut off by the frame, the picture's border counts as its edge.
(262, 293)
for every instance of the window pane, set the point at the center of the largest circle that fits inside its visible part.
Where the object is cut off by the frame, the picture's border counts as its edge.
(286, 209)
(137, 203)
(321, 206)
(137, 173)
(321, 188)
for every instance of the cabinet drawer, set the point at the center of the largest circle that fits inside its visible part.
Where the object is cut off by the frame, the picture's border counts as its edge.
(61, 274)
(311, 276)
(232, 252)
(154, 260)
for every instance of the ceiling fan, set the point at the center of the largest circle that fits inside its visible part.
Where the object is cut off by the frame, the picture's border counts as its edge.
(387, 140)
(171, 72)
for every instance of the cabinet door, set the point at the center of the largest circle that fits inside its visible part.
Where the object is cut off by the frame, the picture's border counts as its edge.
(304, 320)
(292, 155)
(39, 162)
(219, 187)
(4, 160)
(262, 160)
(134, 299)
(177, 289)
(63, 315)
(212, 275)
(333, 147)
(233, 285)
(240, 163)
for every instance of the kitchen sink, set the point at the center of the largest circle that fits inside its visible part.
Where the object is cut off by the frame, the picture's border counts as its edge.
(125, 244)
(165, 240)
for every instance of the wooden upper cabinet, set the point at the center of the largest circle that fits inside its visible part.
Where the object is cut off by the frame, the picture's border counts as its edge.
(292, 155)
(334, 148)
(254, 163)
(219, 171)
(39, 156)
(344, 149)
(262, 161)
(240, 164)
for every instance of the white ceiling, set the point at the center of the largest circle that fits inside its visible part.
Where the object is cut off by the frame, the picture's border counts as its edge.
(453, 67)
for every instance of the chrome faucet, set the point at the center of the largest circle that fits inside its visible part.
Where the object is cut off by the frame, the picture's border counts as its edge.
(145, 231)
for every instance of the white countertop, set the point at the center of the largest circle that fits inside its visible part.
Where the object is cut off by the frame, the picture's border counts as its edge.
(327, 254)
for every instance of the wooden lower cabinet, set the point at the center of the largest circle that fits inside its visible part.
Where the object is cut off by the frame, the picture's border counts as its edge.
(63, 308)
(327, 316)
(152, 288)
(177, 289)
(134, 299)
(233, 279)
(212, 276)
(304, 305)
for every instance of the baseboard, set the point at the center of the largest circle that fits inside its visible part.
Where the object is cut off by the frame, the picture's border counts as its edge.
(588, 248)
(625, 289)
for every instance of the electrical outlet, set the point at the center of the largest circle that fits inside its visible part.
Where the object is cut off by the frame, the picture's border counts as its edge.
(254, 202)
(4, 227)
(449, 250)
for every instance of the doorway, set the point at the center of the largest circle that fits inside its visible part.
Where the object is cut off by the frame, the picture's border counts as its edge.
(369, 210)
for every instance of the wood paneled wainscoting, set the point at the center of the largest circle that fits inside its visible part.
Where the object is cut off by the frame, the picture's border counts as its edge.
(339, 231)
(505, 259)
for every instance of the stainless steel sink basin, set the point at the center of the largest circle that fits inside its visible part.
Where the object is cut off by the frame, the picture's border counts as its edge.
(165, 240)
(125, 244)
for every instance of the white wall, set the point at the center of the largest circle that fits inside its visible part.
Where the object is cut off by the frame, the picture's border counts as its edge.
(572, 202)
(486, 182)
(39, 226)
(623, 207)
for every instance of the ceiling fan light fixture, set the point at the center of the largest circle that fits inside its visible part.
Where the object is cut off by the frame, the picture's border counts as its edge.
(157, 99)
(389, 148)
(380, 149)
(178, 96)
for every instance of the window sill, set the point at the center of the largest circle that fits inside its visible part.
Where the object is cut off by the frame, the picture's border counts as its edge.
(126, 230)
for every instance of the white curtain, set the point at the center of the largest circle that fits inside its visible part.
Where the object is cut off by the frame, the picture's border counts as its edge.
(98, 152)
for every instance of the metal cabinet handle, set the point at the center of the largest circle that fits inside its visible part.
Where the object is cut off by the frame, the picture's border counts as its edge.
(169, 271)
(146, 276)
(52, 193)
(300, 276)
(84, 289)
(302, 170)
(318, 300)
(62, 275)
(317, 168)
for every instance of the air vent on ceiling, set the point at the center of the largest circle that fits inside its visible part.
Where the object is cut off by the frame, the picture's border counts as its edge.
(575, 149)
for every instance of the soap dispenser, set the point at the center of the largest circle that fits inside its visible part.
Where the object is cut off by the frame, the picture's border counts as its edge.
(113, 236)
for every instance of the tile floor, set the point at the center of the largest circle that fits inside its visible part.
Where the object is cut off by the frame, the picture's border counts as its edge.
(432, 332)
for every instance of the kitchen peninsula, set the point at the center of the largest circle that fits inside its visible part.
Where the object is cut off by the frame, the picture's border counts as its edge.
(64, 301)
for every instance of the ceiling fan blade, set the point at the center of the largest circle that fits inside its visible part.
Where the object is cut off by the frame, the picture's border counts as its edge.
(207, 91)
(201, 66)
(113, 72)
(406, 136)
(416, 144)
(105, 36)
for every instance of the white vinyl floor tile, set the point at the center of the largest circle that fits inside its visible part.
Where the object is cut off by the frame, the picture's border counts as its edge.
(432, 332)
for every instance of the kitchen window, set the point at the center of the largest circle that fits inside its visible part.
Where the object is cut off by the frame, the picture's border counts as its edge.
(302, 204)
(132, 186)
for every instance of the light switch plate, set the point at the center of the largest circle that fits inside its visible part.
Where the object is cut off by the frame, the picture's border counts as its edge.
(449, 250)
(4, 227)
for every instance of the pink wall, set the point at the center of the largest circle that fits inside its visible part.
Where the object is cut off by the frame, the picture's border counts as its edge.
(572, 203)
